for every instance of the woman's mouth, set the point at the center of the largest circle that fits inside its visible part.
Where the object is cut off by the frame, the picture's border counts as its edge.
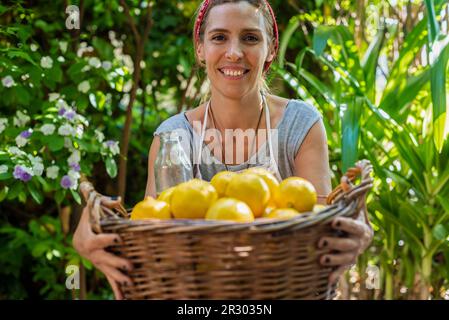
(233, 74)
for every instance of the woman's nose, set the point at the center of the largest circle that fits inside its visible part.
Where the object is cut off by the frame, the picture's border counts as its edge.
(234, 52)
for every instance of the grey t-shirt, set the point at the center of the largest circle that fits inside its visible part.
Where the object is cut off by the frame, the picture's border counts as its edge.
(287, 137)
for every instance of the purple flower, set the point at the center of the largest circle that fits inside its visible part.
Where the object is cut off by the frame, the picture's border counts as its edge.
(66, 182)
(21, 174)
(75, 166)
(25, 134)
(61, 111)
(110, 143)
(70, 115)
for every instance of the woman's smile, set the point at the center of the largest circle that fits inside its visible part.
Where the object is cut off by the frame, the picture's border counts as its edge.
(233, 73)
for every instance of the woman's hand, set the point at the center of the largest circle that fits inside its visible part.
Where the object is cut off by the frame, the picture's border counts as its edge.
(92, 247)
(345, 250)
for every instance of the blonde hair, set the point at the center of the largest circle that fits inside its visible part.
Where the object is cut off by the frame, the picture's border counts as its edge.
(269, 23)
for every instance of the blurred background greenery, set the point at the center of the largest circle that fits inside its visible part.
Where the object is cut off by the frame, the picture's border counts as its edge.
(377, 70)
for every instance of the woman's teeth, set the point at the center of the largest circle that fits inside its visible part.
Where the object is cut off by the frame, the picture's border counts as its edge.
(233, 73)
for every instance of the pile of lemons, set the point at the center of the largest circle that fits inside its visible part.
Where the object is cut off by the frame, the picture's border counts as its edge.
(239, 197)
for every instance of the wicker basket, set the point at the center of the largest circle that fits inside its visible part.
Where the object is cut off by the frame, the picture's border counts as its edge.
(199, 259)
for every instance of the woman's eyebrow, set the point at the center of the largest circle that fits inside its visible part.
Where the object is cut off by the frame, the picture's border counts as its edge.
(227, 31)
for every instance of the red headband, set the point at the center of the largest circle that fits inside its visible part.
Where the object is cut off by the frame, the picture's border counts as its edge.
(203, 11)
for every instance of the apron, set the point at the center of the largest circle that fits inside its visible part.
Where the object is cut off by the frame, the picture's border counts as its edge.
(270, 165)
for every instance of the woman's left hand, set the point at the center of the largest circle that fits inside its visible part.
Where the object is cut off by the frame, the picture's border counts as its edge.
(345, 250)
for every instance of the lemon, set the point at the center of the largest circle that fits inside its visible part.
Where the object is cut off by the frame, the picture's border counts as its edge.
(220, 181)
(251, 189)
(284, 213)
(297, 193)
(151, 208)
(166, 195)
(230, 209)
(267, 211)
(318, 207)
(270, 180)
(192, 199)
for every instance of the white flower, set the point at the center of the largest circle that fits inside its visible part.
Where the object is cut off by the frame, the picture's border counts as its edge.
(3, 168)
(84, 86)
(38, 169)
(99, 136)
(74, 175)
(68, 144)
(66, 130)
(61, 104)
(46, 62)
(16, 151)
(61, 59)
(20, 141)
(8, 82)
(79, 131)
(25, 76)
(75, 157)
(34, 47)
(112, 146)
(3, 123)
(63, 46)
(53, 96)
(107, 65)
(52, 172)
(95, 62)
(48, 129)
(21, 119)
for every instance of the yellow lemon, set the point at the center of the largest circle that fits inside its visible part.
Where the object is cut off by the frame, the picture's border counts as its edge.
(251, 189)
(166, 195)
(284, 213)
(318, 207)
(267, 211)
(230, 209)
(220, 181)
(297, 193)
(270, 180)
(192, 199)
(151, 208)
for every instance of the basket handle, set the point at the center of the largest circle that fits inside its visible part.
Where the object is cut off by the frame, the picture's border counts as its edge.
(347, 191)
(99, 205)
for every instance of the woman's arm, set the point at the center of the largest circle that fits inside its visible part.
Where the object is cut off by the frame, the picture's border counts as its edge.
(312, 161)
(151, 184)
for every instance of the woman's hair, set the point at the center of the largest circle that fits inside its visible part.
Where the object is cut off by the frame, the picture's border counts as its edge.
(270, 24)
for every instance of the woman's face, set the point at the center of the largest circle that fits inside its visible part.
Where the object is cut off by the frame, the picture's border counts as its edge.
(235, 48)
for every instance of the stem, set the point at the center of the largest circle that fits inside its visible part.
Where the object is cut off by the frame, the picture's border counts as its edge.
(388, 284)
(426, 265)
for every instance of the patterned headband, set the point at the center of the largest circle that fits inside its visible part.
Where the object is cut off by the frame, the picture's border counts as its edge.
(203, 11)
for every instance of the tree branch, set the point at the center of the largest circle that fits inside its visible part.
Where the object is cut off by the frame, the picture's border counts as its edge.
(131, 22)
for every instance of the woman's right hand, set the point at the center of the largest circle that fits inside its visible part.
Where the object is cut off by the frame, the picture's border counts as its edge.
(92, 247)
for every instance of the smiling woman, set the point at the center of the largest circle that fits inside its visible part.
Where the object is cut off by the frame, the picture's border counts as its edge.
(236, 42)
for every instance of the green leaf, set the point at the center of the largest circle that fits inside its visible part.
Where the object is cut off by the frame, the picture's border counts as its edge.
(55, 143)
(438, 89)
(111, 167)
(60, 196)
(351, 133)
(5, 176)
(37, 196)
(23, 97)
(4, 193)
(293, 24)
(440, 232)
(371, 60)
(76, 196)
(16, 188)
(434, 28)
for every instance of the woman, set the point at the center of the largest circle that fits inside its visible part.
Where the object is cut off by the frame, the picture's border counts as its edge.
(236, 41)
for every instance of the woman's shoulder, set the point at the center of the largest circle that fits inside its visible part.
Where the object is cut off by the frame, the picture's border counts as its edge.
(297, 107)
(175, 122)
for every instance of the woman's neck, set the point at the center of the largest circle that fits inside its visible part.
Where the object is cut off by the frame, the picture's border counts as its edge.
(236, 113)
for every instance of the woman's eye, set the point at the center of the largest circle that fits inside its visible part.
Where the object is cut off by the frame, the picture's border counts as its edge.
(251, 38)
(219, 37)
